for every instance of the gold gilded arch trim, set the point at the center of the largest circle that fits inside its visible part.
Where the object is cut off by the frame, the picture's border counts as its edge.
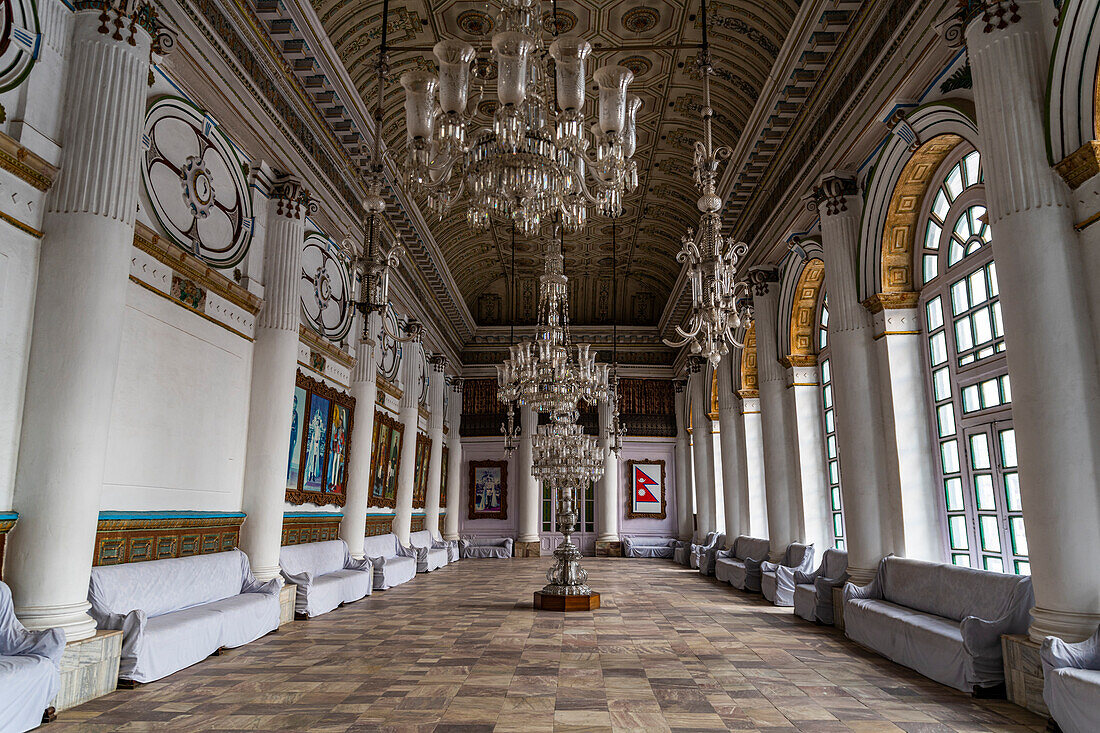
(804, 309)
(903, 214)
(750, 382)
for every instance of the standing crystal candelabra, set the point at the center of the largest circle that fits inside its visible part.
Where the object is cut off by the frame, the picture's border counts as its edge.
(566, 577)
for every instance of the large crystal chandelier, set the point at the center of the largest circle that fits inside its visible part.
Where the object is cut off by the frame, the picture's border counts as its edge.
(537, 163)
(717, 298)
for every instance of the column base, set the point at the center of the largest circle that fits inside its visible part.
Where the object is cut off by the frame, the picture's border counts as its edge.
(1023, 673)
(1066, 625)
(525, 548)
(609, 548)
(264, 574)
(89, 669)
(72, 617)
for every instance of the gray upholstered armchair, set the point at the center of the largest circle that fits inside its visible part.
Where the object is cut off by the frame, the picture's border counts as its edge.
(777, 579)
(813, 592)
(698, 550)
(1071, 682)
(710, 554)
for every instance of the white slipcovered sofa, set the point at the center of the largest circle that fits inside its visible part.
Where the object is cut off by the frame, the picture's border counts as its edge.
(325, 576)
(30, 674)
(710, 554)
(813, 592)
(482, 547)
(649, 546)
(777, 579)
(430, 554)
(393, 565)
(711, 539)
(740, 565)
(1071, 682)
(174, 613)
(943, 621)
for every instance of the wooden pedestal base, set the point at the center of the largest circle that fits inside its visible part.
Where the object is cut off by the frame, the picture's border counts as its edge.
(548, 602)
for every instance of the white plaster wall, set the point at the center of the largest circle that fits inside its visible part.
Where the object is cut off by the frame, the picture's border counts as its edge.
(487, 449)
(180, 413)
(18, 275)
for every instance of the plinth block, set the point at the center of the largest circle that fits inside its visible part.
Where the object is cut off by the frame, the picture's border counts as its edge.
(565, 604)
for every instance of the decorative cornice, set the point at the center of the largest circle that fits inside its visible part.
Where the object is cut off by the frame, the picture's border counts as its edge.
(318, 343)
(799, 360)
(891, 301)
(24, 164)
(387, 387)
(164, 250)
(1080, 165)
(748, 394)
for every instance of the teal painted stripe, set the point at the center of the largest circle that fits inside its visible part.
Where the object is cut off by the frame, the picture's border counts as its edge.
(168, 515)
(313, 514)
(6, 516)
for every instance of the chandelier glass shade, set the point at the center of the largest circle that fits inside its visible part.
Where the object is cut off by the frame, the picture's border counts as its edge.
(537, 162)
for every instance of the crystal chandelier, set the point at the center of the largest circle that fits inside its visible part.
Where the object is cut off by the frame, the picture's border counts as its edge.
(615, 429)
(717, 298)
(537, 163)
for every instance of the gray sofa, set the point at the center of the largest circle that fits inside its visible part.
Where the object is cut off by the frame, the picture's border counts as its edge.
(430, 554)
(943, 621)
(1071, 682)
(813, 592)
(663, 547)
(486, 547)
(710, 554)
(697, 550)
(392, 564)
(176, 612)
(30, 675)
(740, 565)
(777, 578)
(325, 576)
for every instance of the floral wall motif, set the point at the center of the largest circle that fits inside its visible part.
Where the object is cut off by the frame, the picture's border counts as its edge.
(325, 287)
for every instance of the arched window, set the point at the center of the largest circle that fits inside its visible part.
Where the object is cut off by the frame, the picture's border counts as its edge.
(968, 375)
(828, 415)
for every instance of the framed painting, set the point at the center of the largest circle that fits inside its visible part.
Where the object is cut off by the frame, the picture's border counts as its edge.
(488, 490)
(297, 426)
(420, 482)
(380, 450)
(443, 478)
(320, 438)
(646, 499)
(393, 463)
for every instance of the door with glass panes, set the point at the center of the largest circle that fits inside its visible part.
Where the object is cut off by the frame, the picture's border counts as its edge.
(584, 535)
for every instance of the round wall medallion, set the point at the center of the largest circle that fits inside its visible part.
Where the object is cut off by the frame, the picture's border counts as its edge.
(195, 182)
(638, 65)
(475, 23)
(19, 39)
(567, 21)
(640, 20)
(325, 288)
(389, 351)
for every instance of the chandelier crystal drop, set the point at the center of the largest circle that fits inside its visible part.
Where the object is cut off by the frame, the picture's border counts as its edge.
(718, 300)
(537, 162)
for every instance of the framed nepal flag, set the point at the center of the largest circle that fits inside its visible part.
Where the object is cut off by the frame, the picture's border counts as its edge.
(646, 497)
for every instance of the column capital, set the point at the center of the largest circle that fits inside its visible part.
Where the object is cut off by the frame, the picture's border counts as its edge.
(120, 19)
(833, 190)
(695, 364)
(760, 277)
(995, 14)
(291, 197)
(679, 385)
(455, 383)
(439, 362)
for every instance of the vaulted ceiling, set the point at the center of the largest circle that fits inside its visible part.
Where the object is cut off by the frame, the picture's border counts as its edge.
(654, 38)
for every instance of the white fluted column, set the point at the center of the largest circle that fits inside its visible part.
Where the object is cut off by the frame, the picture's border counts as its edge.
(757, 518)
(1048, 328)
(454, 459)
(409, 416)
(437, 376)
(83, 270)
(364, 388)
(529, 499)
(684, 521)
(871, 528)
(805, 391)
(609, 502)
(274, 366)
(702, 447)
(781, 472)
(735, 471)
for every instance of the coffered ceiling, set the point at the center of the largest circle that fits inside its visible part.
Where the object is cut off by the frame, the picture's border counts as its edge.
(657, 40)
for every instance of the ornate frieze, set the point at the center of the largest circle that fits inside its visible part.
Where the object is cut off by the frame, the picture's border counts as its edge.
(300, 528)
(1080, 165)
(138, 536)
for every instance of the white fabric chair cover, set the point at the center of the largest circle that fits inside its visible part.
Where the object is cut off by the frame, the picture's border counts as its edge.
(325, 576)
(697, 550)
(813, 593)
(681, 553)
(663, 547)
(391, 567)
(777, 579)
(740, 565)
(1071, 687)
(174, 613)
(30, 674)
(943, 621)
(486, 547)
(708, 555)
(429, 554)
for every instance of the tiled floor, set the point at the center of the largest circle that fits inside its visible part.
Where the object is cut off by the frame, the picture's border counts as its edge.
(462, 650)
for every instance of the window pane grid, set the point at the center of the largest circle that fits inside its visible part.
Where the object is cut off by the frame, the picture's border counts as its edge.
(832, 452)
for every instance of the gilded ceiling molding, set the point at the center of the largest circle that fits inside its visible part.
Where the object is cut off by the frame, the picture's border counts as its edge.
(23, 164)
(1080, 165)
(750, 380)
(807, 295)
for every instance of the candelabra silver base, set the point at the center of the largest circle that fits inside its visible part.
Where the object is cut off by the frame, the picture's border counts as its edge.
(567, 582)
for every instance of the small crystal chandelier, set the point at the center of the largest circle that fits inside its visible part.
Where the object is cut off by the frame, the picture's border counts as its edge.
(508, 428)
(615, 429)
(717, 297)
(537, 163)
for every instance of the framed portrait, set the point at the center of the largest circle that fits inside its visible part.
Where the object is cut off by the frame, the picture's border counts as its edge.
(320, 443)
(646, 499)
(397, 432)
(420, 482)
(380, 451)
(488, 490)
(443, 478)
